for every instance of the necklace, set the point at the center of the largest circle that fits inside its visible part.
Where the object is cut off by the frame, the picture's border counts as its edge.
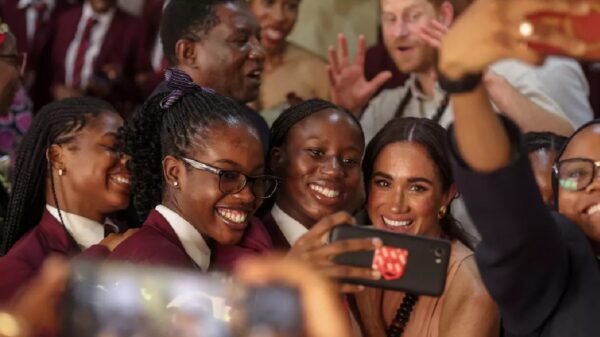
(396, 328)
(439, 113)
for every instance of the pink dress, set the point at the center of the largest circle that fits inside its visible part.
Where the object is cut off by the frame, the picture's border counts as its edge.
(425, 317)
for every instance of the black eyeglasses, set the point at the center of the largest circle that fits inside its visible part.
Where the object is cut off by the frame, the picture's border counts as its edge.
(18, 60)
(231, 182)
(576, 174)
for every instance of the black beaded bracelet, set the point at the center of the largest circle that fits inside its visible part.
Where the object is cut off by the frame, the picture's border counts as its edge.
(466, 84)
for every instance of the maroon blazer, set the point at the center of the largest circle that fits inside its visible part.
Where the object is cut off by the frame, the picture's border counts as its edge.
(121, 45)
(39, 51)
(280, 243)
(25, 258)
(156, 243)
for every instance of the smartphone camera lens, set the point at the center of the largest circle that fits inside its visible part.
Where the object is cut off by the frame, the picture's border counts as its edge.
(438, 252)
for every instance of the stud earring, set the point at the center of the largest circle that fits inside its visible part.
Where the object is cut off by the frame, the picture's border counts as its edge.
(442, 212)
(61, 172)
(176, 184)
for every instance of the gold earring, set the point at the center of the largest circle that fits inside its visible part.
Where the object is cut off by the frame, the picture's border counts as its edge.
(61, 172)
(442, 212)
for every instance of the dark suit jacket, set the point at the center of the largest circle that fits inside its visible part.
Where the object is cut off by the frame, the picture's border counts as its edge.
(538, 266)
(25, 258)
(156, 243)
(121, 46)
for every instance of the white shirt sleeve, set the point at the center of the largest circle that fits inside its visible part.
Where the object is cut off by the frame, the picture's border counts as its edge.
(566, 83)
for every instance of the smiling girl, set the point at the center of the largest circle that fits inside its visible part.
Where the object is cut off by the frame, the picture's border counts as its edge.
(409, 190)
(69, 178)
(198, 176)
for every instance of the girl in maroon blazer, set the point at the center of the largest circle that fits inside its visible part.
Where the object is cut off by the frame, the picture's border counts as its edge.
(198, 177)
(316, 149)
(69, 176)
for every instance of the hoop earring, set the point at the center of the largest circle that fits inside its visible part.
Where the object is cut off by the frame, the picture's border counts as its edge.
(442, 212)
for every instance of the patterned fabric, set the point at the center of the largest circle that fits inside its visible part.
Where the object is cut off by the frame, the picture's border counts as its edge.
(180, 84)
(14, 125)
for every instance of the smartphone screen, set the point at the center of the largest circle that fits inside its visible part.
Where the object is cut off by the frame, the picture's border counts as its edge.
(114, 300)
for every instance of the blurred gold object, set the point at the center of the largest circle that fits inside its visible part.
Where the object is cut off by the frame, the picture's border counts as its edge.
(9, 325)
(526, 29)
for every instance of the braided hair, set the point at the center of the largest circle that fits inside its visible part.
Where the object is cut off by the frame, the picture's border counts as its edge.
(432, 137)
(187, 19)
(544, 140)
(155, 132)
(56, 123)
(295, 114)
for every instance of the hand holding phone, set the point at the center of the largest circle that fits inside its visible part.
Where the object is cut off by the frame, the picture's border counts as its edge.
(408, 263)
(314, 249)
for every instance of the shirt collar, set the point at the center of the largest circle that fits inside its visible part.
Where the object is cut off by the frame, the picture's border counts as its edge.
(86, 232)
(192, 241)
(413, 85)
(103, 18)
(25, 3)
(290, 227)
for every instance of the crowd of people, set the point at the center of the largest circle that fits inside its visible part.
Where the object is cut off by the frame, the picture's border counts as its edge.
(197, 136)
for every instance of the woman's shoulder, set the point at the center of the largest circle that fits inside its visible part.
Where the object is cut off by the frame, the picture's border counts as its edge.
(298, 54)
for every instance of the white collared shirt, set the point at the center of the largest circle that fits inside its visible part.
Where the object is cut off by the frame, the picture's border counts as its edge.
(96, 39)
(86, 232)
(192, 241)
(290, 227)
(31, 15)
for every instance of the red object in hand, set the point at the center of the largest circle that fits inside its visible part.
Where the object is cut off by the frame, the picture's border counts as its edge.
(390, 262)
(584, 28)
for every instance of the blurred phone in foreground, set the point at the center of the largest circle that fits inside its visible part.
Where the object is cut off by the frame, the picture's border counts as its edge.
(409, 263)
(120, 300)
(585, 28)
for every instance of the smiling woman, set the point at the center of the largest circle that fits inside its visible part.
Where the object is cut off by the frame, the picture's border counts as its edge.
(285, 60)
(410, 188)
(198, 177)
(69, 177)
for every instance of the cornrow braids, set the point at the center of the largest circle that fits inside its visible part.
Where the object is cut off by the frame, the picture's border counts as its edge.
(55, 123)
(154, 132)
(297, 113)
(187, 19)
(544, 140)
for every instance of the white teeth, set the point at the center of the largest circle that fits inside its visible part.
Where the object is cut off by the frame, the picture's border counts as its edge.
(120, 180)
(593, 209)
(393, 223)
(273, 34)
(233, 215)
(325, 191)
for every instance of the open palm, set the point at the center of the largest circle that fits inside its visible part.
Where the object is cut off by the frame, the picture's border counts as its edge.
(349, 86)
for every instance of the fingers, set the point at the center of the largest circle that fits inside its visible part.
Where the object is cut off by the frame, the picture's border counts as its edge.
(313, 238)
(361, 51)
(348, 288)
(325, 253)
(377, 82)
(549, 38)
(349, 272)
(333, 60)
(343, 47)
(331, 76)
(433, 33)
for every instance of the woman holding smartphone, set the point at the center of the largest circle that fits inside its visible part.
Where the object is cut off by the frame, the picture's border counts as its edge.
(410, 188)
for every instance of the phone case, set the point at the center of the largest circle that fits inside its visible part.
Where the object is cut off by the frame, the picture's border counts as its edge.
(585, 28)
(408, 263)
